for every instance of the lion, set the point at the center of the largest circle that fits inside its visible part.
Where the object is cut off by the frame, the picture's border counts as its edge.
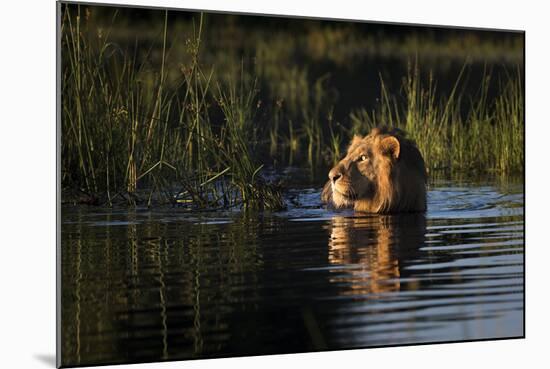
(382, 172)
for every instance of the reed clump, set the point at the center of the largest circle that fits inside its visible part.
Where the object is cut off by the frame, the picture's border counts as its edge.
(128, 134)
(452, 132)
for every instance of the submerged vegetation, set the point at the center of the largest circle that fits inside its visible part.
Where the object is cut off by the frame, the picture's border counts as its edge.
(157, 123)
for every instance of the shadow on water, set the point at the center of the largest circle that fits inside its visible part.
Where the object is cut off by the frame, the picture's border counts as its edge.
(166, 284)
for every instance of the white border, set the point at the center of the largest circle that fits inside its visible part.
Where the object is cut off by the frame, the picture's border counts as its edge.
(27, 184)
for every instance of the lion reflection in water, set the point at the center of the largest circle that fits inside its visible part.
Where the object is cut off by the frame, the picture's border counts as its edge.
(376, 247)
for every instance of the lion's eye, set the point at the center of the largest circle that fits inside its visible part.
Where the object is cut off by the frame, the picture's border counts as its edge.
(363, 158)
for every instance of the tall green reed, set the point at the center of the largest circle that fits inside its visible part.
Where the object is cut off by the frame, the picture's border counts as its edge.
(127, 132)
(488, 137)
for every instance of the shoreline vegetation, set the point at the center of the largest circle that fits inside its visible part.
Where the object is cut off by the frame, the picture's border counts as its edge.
(149, 124)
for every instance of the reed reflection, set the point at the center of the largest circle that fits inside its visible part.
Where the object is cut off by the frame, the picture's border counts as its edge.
(372, 251)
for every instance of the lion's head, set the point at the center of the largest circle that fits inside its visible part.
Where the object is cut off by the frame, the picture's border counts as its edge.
(382, 172)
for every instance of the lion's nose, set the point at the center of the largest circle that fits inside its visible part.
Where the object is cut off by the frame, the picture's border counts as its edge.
(334, 175)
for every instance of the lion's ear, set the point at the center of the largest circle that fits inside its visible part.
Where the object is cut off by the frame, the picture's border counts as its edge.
(390, 146)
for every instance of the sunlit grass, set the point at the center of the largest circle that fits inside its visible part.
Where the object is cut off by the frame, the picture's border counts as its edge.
(126, 134)
(489, 137)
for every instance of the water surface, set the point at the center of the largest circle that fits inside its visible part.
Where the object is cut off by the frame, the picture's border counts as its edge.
(167, 284)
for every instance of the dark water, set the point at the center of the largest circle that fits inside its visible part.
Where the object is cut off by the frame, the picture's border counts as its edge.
(168, 284)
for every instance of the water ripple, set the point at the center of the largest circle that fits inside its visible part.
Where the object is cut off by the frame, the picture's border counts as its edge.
(169, 284)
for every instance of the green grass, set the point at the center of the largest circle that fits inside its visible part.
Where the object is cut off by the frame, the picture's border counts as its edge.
(126, 134)
(488, 138)
(156, 124)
